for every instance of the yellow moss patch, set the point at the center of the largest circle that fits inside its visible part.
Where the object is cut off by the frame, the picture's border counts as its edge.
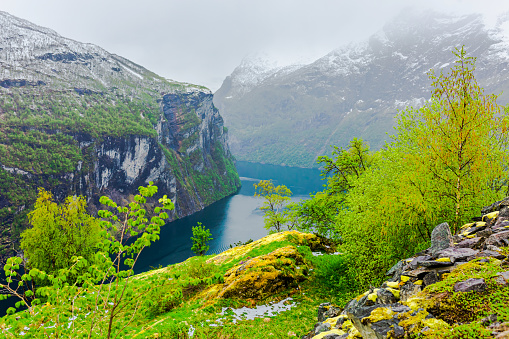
(404, 278)
(360, 296)
(480, 223)
(445, 259)
(347, 326)
(436, 324)
(470, 236)
(372, 297)
(392, 284)
(300, 238)
(378, 314)
(354, 333)
(333, 321)
(468, 225)
(418, 282)
(417, 302)
(333, 331)
(490, 215)
(264, 275)
(394, 291)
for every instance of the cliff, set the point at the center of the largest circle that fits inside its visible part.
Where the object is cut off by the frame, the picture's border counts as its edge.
(76, 119)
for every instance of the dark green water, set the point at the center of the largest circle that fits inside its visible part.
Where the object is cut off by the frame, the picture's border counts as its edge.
(232, 219)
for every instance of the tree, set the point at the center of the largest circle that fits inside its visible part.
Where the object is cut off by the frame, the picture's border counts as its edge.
(276, 199)
(104, 298)
(447, 161)
(318, 214)
(201, 237)
(59, 232)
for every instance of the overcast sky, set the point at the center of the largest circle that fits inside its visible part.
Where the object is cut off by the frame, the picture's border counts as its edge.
(202, 41)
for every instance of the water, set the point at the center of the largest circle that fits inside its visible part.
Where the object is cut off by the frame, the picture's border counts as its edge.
(232, 219)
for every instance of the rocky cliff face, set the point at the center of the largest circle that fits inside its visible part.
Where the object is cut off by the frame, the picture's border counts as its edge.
(76, 119)
(292, 115)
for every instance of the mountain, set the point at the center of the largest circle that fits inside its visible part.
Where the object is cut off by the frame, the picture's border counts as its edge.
(292, 115)
(76, 119)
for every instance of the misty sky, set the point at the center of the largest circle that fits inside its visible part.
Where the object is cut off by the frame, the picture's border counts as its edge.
(202, 41)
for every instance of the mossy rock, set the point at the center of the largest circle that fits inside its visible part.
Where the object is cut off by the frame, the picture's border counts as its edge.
(265, 275)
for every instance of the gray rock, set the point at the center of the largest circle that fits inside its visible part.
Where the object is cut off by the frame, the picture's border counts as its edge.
(323, 327)
(395, 271)
(471, 242)
(493, 248)
(472, 284)
(335, 336)
(484, 233)
(385, 297)
(489, 319)
(433, 263)
(441, 238)
(430, 278)
(498, 239)
(379, 329)
(492, 254)
(457, 254)
(324, 307)
(502, 278)
(502, 221)
(417, 260)
(409, 290)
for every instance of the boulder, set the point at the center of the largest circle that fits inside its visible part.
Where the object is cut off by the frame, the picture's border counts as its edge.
(375, 322)
(472, 284)
(502, 278)
(385, 297)
(498, 239)
(457, 254)
(472, 242)
(430, 278)
(265, 275)
(441, 238)
(418, 260)
(489, 253)
(409, 290)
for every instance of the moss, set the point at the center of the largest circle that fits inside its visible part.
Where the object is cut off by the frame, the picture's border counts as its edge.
(380, 313)
(333, 331)
(443, 260)
(392, 284)
(265, 275)
(490, 215)
(404, 278)
(394, 291)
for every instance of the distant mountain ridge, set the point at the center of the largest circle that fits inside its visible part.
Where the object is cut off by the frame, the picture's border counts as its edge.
(292, 116)
(76, 119)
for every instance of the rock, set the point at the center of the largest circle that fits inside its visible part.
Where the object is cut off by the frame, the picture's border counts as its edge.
(418, 273)
(502, 221)
(322, 308)
(265, 275)
(471, 242)
(375, 322)
(441, 238)
(489, 319)
(503, 335)
(335, 336)
(474, 230)
(472, 284)
(433, 263)
(457, 254)
(385, 297)
(416, 261)
(332, 312)
(504, 212)
(485, 233)
(493, 248)
(323, 327)
(409, 290)
(430, 278)
(502, 278)
(395, 271)
(498, 239)
(457, 238)
(492, 254)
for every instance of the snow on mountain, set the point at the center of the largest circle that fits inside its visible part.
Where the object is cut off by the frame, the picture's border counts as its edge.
(355, 90)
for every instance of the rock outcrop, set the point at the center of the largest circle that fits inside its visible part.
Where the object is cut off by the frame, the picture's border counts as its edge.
(76, 119)
(458, 285)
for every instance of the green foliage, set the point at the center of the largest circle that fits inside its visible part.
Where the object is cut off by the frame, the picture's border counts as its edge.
(104, 298)
(201, 237)
(446, 162)
(275, 200)
(58, 233)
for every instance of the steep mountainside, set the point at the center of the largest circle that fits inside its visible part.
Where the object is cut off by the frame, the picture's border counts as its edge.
(76, 119)
(292, 115)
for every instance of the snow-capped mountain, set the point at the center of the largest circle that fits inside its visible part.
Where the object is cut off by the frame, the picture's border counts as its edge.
(76, 119)
(34, 54)
(356, 90)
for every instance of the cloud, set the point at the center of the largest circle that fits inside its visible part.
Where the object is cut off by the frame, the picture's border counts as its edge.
(202, 41)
